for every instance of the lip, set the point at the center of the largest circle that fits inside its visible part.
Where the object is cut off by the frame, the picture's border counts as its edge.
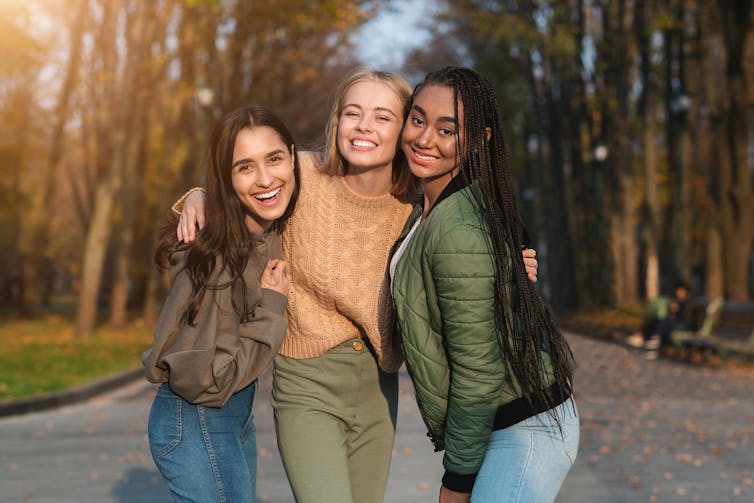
(418, 160)
(270, 201)
(372, 144)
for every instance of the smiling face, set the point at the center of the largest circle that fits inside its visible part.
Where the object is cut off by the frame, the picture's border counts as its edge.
(262, 175)
(368, 126)
(429, 137)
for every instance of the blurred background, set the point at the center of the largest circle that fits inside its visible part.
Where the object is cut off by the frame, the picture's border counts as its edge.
(630, 122)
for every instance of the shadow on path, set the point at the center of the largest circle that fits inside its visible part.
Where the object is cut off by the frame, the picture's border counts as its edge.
(142, 485)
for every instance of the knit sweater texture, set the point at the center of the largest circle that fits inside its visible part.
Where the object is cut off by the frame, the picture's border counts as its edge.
(336, 245)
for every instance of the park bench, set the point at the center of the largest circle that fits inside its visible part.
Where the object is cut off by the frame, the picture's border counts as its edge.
(718, 327)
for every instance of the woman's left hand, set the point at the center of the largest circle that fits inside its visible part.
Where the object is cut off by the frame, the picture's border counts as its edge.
(531, 263)
(450, 496)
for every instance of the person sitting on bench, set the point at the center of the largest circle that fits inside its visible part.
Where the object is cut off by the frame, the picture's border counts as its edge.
(665, 313)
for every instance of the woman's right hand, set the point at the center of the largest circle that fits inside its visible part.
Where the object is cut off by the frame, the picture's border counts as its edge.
(192, 215)
(275, 276)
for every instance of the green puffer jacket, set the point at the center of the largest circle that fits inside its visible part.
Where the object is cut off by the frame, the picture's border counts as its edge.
(444, 298)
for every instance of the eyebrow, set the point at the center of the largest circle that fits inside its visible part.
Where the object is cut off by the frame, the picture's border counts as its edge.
(246, 161)
(383, 109)
(419, 109)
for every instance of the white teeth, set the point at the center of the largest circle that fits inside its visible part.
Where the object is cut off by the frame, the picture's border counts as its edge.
(363, 143)
(424, 157)
(268, 195)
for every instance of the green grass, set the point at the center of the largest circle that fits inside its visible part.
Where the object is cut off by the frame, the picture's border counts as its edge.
(600, 321)
(41, 355)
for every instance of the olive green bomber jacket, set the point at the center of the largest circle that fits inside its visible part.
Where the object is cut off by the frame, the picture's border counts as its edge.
(444, 296)
(444, 289)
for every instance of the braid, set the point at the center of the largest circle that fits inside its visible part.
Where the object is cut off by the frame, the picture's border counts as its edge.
(532, 328)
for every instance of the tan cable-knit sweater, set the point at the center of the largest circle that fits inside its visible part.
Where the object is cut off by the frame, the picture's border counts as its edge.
(336, 244)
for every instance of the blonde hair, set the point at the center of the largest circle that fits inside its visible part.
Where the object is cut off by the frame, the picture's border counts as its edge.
(403, 184)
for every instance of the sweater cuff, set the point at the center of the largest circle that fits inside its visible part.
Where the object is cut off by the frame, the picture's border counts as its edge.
(459, 483)
(178, 205)
(274, 301)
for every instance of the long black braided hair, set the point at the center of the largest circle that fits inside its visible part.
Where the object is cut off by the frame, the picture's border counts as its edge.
(484, 162)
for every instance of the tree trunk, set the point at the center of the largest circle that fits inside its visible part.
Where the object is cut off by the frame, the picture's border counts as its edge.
(107, 191)
(37, 270)
(647, 111)
(624, 248)
(124, 239)
(678, 139)
(736, 187)
(652, 225)
(97, 240)
(617, 171)
(584, 200)
(714, 274)
(560, 256)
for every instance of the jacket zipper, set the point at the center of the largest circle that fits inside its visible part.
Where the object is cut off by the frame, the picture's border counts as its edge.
(436, 442)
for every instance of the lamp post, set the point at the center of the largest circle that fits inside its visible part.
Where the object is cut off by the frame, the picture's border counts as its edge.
(680, 101)
(600, 152)
(679, 156)
(205, 96)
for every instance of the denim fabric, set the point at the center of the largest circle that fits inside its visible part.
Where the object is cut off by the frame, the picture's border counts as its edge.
(205, 454)
(528, 462)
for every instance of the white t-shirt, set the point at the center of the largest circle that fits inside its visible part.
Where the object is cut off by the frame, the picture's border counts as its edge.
(399, 252)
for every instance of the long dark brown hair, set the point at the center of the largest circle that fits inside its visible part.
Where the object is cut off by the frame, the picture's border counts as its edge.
(532, 331)
(225, 235)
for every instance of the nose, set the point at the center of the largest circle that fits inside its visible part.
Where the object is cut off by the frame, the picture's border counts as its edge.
(264, 177)
(425, 138)
(364, 124)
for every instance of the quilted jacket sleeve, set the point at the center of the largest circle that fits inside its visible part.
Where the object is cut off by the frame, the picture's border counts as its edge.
(463, 271)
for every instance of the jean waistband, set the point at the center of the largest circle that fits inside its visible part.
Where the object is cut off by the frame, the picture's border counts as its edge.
(519, 409)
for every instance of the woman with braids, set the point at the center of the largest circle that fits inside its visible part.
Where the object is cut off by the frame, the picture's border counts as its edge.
(223, 320)
(491, 370)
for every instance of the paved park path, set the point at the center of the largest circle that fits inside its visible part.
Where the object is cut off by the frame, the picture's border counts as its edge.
(652, 431)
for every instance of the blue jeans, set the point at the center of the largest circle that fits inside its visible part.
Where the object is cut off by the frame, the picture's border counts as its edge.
(528, 462)
(205, 454)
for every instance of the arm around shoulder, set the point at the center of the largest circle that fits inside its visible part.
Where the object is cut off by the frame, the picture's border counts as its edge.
(177, 207)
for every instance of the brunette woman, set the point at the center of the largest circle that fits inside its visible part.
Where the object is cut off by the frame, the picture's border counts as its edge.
(223, 320)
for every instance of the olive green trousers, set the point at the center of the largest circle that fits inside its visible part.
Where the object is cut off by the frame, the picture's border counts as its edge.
(335, 423)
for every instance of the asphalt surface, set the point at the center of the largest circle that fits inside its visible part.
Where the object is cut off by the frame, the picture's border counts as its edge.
(652, 431)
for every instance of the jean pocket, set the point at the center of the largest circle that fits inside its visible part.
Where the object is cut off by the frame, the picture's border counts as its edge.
(248, 427)
(165, 426)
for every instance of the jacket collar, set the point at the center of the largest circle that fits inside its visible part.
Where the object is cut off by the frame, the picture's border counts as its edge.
(457, 183)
